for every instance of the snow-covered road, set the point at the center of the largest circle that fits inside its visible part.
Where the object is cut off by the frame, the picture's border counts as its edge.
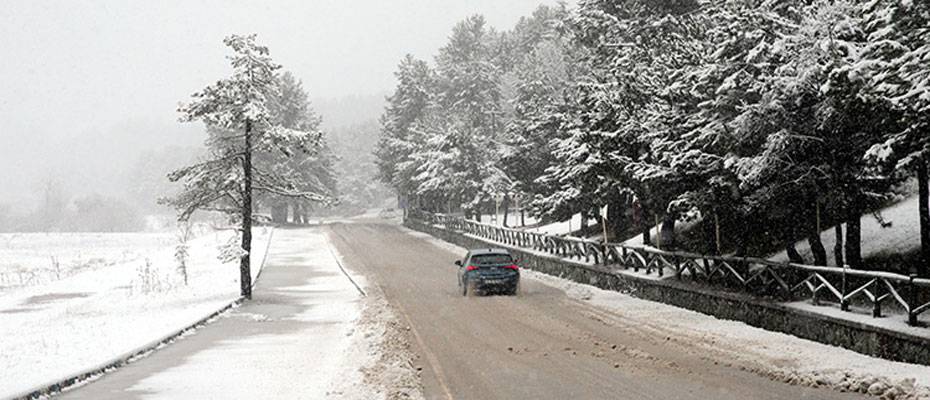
(559, 339)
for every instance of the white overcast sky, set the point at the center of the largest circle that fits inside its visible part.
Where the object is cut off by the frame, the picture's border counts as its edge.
(85, 86)
(73, 66)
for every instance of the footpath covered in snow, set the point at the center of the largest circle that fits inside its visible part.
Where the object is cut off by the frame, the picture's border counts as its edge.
(308, 333)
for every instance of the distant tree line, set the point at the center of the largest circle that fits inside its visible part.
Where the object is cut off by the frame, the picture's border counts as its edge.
(765, 121)
(359, 188)
(59, 212)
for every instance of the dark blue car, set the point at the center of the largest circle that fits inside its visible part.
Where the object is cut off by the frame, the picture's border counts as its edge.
(488, 270)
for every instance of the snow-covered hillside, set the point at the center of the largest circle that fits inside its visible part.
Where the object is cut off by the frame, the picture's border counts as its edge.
(902, 237)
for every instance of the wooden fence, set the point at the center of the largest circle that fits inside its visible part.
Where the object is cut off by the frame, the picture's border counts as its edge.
(784, 281)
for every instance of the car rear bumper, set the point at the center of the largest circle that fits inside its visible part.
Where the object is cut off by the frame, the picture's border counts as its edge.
(505, 282)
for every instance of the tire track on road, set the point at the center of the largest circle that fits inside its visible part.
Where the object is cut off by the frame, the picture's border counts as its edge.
(431, 358)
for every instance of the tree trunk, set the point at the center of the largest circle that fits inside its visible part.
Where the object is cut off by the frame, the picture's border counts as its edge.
(506, 205)
(305, 210)
(668, 231)
(583, 229)
(820, 253)
(854, 240)
(793, 254)
(707, 229)
(838, 247)
(279, 212)
(924, 209)
(616, 220)
(245, 265)
(298, 213)
(644, 221)
(813, 239)
(522, 217)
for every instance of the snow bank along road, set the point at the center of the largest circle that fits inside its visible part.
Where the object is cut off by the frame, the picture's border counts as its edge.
(544, 344)
(289, 342)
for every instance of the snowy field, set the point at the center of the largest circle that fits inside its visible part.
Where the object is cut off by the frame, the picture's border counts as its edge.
(28, 259)
(102, 309)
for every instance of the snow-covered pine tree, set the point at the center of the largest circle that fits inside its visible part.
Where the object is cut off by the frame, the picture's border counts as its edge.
(631, 50)
(543, 71)
(892, 68)
(455, 167)
(801, 141)
(543, 75)
(468, 122)
(240, 123)
(312, 171)
(719, 87)
(400, 135)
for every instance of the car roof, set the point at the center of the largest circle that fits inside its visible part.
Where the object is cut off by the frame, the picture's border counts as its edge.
(478, 252)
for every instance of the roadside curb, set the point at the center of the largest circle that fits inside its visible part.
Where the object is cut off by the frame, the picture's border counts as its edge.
(93, 373)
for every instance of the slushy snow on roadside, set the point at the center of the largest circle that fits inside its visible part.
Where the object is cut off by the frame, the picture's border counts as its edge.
(775, 355)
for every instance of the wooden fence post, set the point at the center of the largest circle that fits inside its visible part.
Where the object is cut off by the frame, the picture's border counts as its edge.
(912, 302)
(877, 305)
(844, 303)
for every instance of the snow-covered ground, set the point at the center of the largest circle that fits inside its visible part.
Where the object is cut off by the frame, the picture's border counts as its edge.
(54, 330)
(637, 240)
(513, 219)
(901, 237)
(308, 328)
(563, 227)
(555, 228)
(28, 259)
(776, 355)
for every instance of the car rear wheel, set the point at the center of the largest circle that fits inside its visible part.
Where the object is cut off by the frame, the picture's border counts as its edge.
(470, 290)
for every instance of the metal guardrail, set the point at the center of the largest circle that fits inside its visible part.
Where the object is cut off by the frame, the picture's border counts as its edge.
(786, 281)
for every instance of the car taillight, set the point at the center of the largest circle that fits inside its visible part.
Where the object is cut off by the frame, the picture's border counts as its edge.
(513, 267)
(471, 268)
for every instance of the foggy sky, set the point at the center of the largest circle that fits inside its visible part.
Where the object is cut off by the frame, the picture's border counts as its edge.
(86, 72)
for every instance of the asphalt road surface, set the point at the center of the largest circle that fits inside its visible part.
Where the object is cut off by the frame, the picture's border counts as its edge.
(537, 345)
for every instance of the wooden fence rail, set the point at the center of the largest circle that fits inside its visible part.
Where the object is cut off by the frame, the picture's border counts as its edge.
(786, 281)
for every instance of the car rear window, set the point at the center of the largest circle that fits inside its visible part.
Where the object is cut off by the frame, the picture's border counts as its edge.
(491, 259)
